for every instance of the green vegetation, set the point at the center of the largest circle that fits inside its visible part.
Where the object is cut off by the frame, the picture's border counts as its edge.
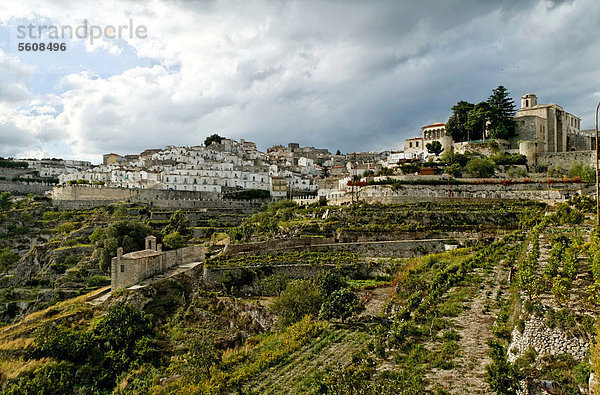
(212, 138)
(435, 148)
(586, 173)
(504, 158)
(12, 164)
(480, 167)
(89, 360)
(469, 121)
(342, 303)
(127, 234)
(174, 240)
(300, 298)
(261, 331)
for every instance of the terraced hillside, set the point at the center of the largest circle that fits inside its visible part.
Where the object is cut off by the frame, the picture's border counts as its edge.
(437, 323)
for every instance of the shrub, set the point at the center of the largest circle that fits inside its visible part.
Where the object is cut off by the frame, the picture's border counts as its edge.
(505, 158)
(500, 374)
(300, 298)
(586, 173)
(341, 304)
(97, 281)
(7, 259)
(274, 285)
(479, 167)
(174, 240)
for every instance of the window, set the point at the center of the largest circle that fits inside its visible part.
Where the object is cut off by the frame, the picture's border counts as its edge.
(122, 268)
(410, 144)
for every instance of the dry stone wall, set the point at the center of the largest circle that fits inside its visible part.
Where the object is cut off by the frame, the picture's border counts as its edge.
(545, 340)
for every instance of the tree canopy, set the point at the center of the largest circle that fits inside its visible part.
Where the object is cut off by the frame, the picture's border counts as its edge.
(493, 118)
(127, 234)
(213, 137)
(435, 148)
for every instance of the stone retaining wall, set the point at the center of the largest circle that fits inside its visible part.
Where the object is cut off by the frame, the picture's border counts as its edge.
(88, 196)
(212, 277)
(385, 194)
(398, 248)
(25, 187)
(545, 340)
(566, 159)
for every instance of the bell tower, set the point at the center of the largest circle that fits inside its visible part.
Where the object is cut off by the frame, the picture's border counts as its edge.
(528, 100)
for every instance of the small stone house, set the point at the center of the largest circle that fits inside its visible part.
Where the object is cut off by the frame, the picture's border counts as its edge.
(129, 269)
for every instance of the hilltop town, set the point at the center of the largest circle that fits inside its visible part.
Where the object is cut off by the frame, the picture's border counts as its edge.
(545, 141)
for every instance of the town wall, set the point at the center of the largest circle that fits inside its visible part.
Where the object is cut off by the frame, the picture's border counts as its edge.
(566, 159)
(25, 187)
(82, 196)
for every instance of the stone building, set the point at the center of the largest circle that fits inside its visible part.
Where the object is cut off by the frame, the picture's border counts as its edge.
(129, 269)
(436, 132)
(413, 148)
(547, 124)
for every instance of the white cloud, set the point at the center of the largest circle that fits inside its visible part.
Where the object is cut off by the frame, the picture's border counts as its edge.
(352, 75)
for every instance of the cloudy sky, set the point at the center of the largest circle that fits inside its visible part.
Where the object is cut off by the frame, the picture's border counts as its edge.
(351, 75)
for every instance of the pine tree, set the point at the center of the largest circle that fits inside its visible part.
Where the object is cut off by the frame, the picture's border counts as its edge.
(502, 112)
(457, 124)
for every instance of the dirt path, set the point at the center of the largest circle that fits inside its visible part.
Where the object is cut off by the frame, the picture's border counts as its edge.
(375, 301)
(474, 327)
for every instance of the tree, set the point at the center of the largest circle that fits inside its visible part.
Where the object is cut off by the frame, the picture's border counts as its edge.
(202, 355)
(502, 113)
(457, 123)
(122, 338)
(130, 235)
(480, 167)
(342, 303)
(174, 240)
(7, 258)
(300, 298)
(212, 138)
(177, 223)
(338, 152)
(477, 121)
(455, 170)
(435, 147)
(5, 201)
(329, 282)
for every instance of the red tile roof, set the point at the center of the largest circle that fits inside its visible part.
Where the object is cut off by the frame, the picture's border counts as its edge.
(434, 124)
